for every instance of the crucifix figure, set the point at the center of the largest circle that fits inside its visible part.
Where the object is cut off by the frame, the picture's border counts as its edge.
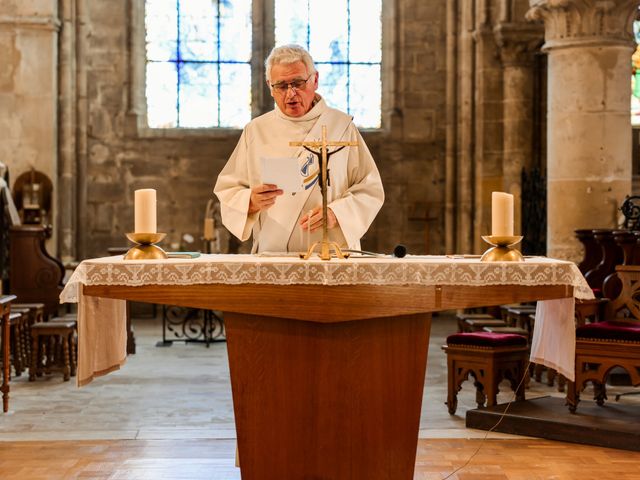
(323, 159)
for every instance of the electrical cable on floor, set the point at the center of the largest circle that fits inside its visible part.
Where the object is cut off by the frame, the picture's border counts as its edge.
(506, 409)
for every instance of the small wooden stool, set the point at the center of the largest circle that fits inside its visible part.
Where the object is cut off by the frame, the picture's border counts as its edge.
(45, 353)
(489, 357)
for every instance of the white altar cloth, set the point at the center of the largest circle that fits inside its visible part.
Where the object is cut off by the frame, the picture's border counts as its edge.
(101, 321)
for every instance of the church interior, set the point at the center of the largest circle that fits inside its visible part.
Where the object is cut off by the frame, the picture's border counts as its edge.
(456, 100)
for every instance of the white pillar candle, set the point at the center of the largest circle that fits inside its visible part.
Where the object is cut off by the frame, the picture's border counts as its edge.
(145, 211)
(501, 214)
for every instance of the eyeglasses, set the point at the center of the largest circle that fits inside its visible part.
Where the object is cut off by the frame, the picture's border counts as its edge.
(297, 84)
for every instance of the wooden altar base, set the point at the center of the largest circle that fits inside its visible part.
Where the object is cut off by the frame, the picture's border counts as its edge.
(323, 401)
(613, 425)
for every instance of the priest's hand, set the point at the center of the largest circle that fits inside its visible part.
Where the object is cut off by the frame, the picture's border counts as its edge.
(263, 197)
(313, 219)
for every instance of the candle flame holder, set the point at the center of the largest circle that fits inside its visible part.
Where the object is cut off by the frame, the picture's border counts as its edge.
(145, 248)
(502, 249)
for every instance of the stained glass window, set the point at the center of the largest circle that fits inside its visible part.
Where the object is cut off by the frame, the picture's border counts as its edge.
(635, 78)
(344, 38)
(198, 71)
(199, 64)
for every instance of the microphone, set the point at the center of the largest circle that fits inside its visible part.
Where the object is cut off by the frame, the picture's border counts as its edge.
(399, 251)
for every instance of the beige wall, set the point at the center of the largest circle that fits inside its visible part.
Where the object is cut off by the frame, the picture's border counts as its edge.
(28, 87)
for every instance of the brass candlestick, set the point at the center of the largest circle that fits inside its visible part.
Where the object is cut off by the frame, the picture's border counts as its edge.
(502, 249)
(145, 248)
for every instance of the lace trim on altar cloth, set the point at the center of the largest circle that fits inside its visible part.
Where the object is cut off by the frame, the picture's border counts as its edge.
(241, 269)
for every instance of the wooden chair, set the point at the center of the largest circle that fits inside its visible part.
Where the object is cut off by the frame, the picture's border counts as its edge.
(488, 357)
(53, 348)
(17, 323)
(519, 316)
(32, 313)
(5, 312)
(512, 321)
(521, 319)
(16, 343)
(614, 342)
(592, 250)
(612, 255)
(36, 309)
(474, 322)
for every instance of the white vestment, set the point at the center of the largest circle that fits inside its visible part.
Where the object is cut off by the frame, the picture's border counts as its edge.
(355, 193)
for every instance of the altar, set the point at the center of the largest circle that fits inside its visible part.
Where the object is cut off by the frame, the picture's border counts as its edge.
(327, 358)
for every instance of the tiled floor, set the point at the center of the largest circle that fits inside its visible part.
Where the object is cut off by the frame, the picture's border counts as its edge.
(183, 391)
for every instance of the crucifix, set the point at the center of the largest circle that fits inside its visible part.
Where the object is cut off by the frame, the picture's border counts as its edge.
(323, 159)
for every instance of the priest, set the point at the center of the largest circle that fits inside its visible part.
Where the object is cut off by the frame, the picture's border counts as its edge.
(287, 222)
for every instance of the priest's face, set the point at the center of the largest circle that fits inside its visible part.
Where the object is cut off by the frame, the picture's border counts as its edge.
(293, 88)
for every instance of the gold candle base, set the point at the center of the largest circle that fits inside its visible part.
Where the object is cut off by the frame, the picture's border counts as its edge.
(502, 249)
(145, 248)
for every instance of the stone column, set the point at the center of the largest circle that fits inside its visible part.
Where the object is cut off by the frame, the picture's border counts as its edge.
(518, 43)
(465, 130)
(68, 175)
(589, 43)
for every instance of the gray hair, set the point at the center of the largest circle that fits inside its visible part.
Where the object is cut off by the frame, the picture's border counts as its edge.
(288, 54)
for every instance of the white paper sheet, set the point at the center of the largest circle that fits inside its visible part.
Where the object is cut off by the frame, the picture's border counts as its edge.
(283, 172)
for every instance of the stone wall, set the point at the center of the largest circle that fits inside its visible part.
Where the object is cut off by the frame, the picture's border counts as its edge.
(458, 116)
(28, 88)
(183, 167)
(120, 158)
(410, 153)
(491, 133)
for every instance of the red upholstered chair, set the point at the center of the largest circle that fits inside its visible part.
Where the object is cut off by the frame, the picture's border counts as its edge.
(488, 357)
(601, 346)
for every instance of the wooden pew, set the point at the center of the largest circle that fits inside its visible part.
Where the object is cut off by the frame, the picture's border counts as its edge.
(34, 276)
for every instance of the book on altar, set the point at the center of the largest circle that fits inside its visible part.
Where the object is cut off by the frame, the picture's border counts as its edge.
(183, 254)
(283, 172)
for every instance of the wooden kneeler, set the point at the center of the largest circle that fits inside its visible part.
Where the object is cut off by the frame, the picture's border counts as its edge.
(488, 357)
(601, 346)
(595, 357)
